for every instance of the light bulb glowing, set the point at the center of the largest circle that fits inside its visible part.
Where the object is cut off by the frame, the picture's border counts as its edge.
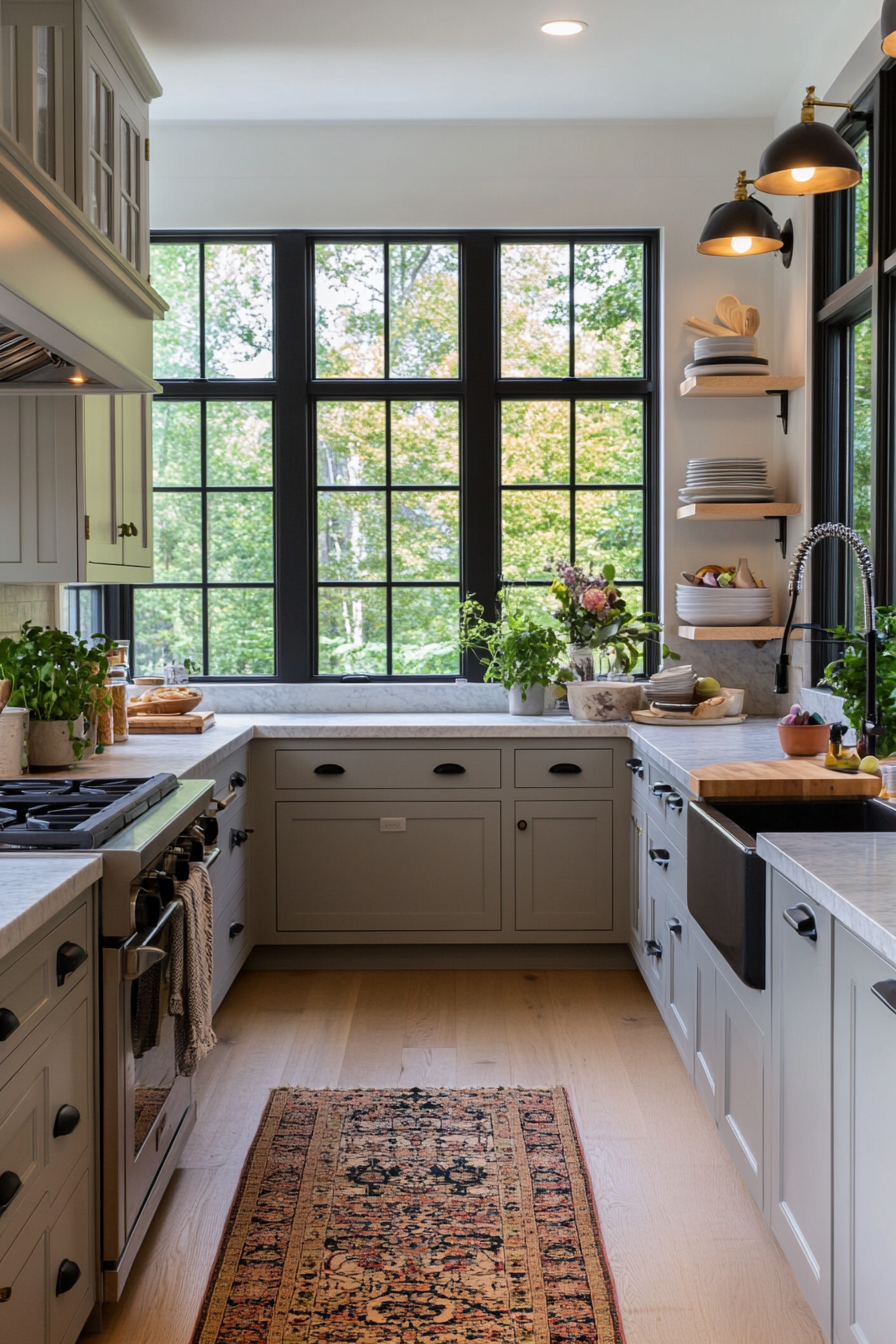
(802, 174)
(741, 245)
(76, 378)
(563, 27)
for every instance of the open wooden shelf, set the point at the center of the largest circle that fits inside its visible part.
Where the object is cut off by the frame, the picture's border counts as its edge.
(723, 512)
(738, 385)
(753, 634)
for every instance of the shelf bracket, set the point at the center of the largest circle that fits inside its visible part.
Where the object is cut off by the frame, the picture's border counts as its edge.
(785, 405)
(781, 520)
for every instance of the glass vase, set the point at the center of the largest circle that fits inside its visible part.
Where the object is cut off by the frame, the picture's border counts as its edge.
(581, 661)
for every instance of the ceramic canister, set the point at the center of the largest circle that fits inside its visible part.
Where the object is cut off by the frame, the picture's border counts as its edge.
(13, 723)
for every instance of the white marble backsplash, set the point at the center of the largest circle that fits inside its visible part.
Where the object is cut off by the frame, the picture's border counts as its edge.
(355, 698)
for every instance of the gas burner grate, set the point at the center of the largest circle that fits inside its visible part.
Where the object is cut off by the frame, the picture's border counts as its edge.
(49, 817)
(74, 814)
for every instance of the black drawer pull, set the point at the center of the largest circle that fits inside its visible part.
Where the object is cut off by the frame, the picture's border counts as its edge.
(636, 766)
(885, 990)
(69, 957)
(675, 802)
(10, 1185)
(68, 1118)
(8, 1023)
(238, 837)
(329, 770)
(674, 926)
(237, 779)
(659, 789)
(660, 857)
(521, 825)
(235, 930)
(653, 948)
(450, 768)
(801, 918)
(68, 1276)
(565, 768)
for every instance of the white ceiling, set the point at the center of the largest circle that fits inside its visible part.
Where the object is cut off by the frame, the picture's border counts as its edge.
(448, 59)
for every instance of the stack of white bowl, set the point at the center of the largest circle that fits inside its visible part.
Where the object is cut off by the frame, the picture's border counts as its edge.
(723, 606)
(725, 355)
(675, 685)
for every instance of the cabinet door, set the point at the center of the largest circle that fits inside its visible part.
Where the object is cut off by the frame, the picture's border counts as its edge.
(637, 875)
(103, 483)
(742, 1117)
(679, 1001)
(564, 865)
(864, 1151)
(707, 1071)
(39, 516)
(136, 471)
(400, 864)
(801, 1190)
(653, 943)
(24, 1272)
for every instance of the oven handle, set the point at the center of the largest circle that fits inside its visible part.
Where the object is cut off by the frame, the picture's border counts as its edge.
(211, 856)
(139, 955)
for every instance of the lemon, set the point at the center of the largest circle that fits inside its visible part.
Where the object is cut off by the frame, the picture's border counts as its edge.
(870, 764)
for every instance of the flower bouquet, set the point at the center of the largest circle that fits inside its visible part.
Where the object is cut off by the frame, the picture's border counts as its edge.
(595, 617)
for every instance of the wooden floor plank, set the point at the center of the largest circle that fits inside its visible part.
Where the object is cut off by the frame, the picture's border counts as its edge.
(431, 1018)
(428, 1066)
(376, 1038)
(322, 1032)
(531, 1029)
(483, 1052)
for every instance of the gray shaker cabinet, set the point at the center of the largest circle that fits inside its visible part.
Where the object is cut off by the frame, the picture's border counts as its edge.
(564, 865)
(864, 1152)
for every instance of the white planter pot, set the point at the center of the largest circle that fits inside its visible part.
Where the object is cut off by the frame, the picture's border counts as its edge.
(603, 701)
(533, 703)
(49, 742)
(13, 723)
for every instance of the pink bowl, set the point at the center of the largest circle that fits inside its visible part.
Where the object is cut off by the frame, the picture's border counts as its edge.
(808, 739)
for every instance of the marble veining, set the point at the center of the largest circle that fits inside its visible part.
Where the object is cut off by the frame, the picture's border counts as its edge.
(680, 750)
(34, 888)
(356, 698)
(852, 876)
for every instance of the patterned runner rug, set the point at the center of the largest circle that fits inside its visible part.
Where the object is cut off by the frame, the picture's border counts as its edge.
(418, 1216)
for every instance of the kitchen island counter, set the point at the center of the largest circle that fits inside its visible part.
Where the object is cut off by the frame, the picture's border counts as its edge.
(34, 888)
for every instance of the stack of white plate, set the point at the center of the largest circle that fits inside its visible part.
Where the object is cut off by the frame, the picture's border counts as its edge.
(723, 606)
(725, 355)
(675, 685)
(726, 480)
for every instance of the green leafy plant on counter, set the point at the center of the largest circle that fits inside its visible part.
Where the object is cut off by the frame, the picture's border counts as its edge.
(515, 650)
(57, 676)
(846, 677)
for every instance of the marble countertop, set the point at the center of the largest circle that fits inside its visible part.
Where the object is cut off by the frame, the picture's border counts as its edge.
(850, 875)
(681, 750)
(34, 888)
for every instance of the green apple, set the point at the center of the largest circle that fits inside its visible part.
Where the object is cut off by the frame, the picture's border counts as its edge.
(707, 686)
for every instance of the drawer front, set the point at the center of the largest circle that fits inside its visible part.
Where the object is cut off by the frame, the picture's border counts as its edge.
(23, 1281)
(223, 775)
(28, 988)
(665, 861)
(402, 864)
(24, 1134)
(232, 936)
(235, 839)
(71, 1239)
(561, 768)
(425, 769)
(670, 802)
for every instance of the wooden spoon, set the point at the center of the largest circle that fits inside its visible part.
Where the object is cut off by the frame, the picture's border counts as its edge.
(707, 328)
(5, 693)
(726, 310)
(751, 321)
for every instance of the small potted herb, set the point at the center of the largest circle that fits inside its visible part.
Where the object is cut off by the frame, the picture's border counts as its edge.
(59, 679)
(516, 650)
(846, 678)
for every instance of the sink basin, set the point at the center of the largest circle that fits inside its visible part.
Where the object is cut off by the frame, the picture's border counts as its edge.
(726, 877)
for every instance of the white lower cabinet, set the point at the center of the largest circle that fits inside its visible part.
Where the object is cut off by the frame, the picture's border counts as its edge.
(742, 1052)
(637, 872)
(864, 1149)
(679, 1000)
(564, 865)
(802, 941)
(707, 1070)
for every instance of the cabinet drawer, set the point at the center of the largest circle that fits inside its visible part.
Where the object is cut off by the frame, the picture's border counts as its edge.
(665, 862)
(71, 1239)
(397, 769)
(670, 802)
(541, 767)
(28, 988)
(24, 1134)
(564, 865)
(235, 842)
(339, 869)
(232, 936)
(23, 1281)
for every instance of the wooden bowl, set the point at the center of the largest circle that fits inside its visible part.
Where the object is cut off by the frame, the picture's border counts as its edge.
(156, 703)
(808, 739)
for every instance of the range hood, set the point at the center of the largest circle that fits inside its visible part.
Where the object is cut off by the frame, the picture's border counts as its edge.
(21, 358)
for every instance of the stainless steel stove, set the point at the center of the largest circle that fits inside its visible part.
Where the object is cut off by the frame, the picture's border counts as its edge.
(148, 832)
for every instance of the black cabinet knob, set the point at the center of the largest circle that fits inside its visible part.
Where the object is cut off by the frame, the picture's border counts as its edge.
(68, 1275)
(635, 764)
(329, 770)
(565, 768)
(68, 958)
(235, 930)
(450, 768)
(675, 802)
(237, 837)
(237, 779)
(660, 857)
(8, 1023)
(653, 948)
(68, 1118)
(522, 825)
(10, 1185)
(659, 789)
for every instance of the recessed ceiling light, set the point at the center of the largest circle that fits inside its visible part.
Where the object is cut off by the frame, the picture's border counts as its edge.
(564, 27)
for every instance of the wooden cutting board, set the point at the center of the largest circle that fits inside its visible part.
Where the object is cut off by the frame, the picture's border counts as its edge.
(805, 777)
(197, 722)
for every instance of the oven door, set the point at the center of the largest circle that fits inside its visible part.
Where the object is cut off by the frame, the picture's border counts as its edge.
(145, 1103)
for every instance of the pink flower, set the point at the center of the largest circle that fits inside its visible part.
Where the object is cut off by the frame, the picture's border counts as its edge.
(595, 601)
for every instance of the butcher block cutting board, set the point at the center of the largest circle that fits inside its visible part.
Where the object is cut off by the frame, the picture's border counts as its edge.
(197, 722)
(805, 777)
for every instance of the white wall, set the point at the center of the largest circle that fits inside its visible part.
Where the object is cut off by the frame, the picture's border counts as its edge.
(545, 174)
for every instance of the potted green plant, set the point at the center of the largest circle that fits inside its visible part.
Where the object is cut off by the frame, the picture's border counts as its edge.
(516, 650)
(846, 677)
(59, 679)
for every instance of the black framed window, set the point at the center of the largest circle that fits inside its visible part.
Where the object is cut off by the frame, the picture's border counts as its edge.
(852, 449)
(358, 429)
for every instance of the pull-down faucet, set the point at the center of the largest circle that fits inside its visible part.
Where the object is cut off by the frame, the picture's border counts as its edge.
(869, 727)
